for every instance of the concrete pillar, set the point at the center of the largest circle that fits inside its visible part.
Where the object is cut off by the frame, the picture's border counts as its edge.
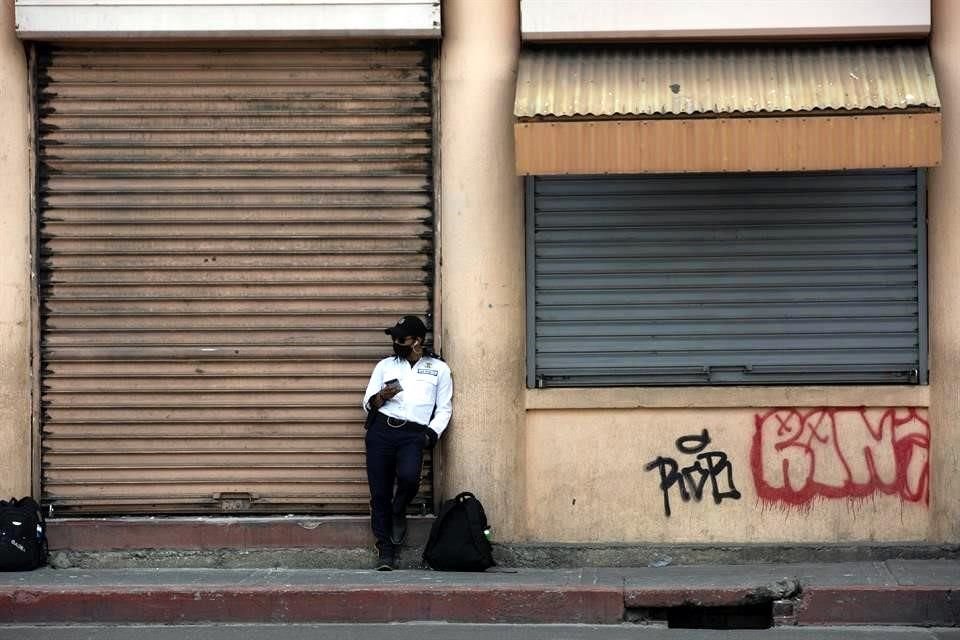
(481, 244)
(944, 261)
(15, 429)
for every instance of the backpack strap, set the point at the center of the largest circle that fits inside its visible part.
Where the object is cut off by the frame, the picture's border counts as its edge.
(475, 524)
(476, 528)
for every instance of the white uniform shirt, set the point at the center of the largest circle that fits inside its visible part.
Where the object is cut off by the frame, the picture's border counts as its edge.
(426, 385)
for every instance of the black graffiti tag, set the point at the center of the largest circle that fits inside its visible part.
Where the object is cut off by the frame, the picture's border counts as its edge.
(712, 466)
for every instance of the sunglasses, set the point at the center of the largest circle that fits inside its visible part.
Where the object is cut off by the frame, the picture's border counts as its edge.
(403, 340)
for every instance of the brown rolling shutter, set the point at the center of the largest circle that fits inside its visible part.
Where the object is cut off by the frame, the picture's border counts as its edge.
(224, 235)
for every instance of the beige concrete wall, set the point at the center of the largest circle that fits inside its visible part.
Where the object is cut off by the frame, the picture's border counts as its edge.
(482, 257)
(224, 19)
(804, 475)
(944, 233)
(551, 468)
(15, 429)
(807, 465)
(572, 20)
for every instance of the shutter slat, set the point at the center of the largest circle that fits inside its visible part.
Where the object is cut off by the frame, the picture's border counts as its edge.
(726, 279)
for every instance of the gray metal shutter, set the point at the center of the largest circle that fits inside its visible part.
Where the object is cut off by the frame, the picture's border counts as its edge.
(727, 279)
(225, 232)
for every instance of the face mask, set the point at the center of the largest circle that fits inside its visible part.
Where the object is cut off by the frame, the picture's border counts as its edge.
(402, 350)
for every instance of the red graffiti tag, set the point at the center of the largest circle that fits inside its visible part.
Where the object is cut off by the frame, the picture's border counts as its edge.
(798, 455)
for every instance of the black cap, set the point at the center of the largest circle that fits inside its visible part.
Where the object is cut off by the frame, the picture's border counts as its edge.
(407, 326)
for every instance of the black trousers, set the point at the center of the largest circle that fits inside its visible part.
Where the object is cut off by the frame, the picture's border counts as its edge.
(394, 457)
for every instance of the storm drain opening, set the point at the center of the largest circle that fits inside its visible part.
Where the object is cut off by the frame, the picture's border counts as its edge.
(746, 616)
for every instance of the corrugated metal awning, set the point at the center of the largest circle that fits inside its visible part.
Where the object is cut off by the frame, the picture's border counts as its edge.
(645, 81)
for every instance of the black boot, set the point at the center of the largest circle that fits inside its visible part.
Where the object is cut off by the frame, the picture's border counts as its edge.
(386, 557)
(398, 530)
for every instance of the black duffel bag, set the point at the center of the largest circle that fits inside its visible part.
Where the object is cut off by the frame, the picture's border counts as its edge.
(23, 535)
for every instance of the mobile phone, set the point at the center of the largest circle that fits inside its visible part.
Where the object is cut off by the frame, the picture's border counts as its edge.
(393, 383)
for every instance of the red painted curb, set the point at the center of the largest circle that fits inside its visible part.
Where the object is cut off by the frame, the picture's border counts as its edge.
(535, 604)
(490, 603)
(903, 605)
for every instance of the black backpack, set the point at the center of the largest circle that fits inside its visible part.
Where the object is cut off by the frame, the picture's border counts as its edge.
(23, 535)
(458, 538)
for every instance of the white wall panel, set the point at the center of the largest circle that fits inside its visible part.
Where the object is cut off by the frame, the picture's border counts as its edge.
(672, 19)
(59, 19)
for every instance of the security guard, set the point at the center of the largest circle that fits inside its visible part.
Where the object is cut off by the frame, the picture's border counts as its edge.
(408, 401)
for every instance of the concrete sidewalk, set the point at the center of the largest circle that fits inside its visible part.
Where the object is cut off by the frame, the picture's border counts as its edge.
(895, 592)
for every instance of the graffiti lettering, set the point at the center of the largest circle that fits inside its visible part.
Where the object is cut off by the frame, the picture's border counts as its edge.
(700, 443)
(798, 455)
(690, 481)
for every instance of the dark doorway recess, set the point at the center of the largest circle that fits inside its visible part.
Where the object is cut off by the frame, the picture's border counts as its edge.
(749, 616)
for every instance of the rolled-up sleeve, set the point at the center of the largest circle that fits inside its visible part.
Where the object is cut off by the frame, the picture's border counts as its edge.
(375, 384)
(444, 408)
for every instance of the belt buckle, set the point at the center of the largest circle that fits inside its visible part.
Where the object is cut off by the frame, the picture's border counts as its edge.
(391, 420)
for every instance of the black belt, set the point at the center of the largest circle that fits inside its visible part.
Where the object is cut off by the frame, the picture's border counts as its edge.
(397, 423)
